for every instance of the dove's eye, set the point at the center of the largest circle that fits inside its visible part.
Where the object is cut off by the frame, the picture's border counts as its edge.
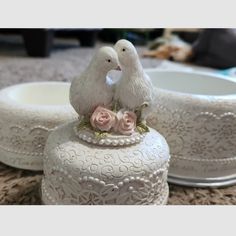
(123, 49)
(108, 60)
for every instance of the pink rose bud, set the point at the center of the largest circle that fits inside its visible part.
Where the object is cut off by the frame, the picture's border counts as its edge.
(103, 119)
(126, 122)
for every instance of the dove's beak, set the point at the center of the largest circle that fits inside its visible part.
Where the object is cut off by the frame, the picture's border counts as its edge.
(118, 68)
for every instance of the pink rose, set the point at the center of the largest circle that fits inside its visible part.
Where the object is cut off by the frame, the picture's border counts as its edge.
(103, 119)
(126, 122)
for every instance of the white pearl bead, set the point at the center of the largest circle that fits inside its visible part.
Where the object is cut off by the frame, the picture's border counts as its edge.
(114, 142)
(91, 178)
(108, 141)
(101, 141)
(127, 141)
(121, 142)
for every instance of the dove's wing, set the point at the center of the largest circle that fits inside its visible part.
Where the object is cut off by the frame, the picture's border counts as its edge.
(147, 78)
(76, 92)
(149, 83)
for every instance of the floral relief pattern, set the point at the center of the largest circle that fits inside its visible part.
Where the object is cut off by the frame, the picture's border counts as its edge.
(197, 135)
(16, 141)
(199, 147)
(201, 133)
(39, 143)
(24, 140)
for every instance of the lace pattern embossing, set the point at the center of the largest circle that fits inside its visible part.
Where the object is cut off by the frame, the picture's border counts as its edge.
(24, 140)
(93, 191)
(79, 173)
(24, 129)
(204, 135)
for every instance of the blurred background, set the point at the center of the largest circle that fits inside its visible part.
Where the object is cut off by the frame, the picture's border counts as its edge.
(61, 54)
(41, 42)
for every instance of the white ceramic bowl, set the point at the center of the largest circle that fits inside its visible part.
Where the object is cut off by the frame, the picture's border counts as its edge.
(28, 112)
(196, 113)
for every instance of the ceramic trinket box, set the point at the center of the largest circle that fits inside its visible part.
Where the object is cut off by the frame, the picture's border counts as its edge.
(28, 113)
(196, 113)
(108, 156)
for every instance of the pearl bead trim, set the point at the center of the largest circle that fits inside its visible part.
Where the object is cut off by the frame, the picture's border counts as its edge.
(111, 140)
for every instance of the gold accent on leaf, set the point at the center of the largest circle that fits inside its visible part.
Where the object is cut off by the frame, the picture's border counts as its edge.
(142, 128)
(100, 134)
(139, 110)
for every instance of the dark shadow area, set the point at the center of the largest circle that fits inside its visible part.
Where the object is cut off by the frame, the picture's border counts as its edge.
(41, 42)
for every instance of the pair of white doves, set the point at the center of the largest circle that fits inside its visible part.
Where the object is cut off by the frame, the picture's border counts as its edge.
(94, 88)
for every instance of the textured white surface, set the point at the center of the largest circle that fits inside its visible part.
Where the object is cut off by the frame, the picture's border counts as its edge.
(134, 87)
(28, 112)
(81, 173)
(93, 88)
(200, 129)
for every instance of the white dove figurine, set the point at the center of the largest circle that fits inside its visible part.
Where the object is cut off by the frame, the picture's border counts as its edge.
(134, 90)
(93, 87)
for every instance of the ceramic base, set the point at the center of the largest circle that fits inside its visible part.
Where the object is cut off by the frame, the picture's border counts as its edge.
(24, 162)
(77, 172)
(206, 182)
(202, 172)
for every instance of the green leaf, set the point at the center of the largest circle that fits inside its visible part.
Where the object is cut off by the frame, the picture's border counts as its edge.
(100, 134)
(84, 123)
(142, 128)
